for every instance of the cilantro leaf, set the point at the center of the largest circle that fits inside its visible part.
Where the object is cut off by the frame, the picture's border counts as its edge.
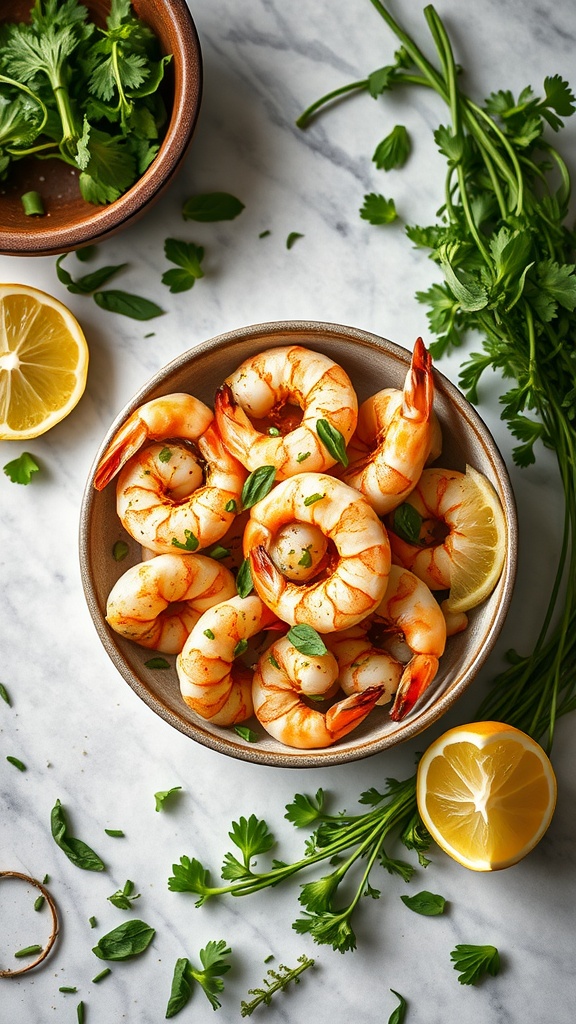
(394, 150)
(473, 962)
(163, 795)
(252, 837)
(378, 210)
(21, 470)
(209, 977)
(188, 258)
(305, 809)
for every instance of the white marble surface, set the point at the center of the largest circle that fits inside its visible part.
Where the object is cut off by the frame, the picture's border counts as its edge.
(84, 735)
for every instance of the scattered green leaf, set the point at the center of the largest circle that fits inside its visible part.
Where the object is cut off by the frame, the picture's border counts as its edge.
(428, 904)
(20, 470)
(473, 962)
(211, 207)
(127, 940)
(163, 795)
(75, 849)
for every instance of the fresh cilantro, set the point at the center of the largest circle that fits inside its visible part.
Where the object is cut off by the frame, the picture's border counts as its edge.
(209, 977)
(378, 210)
(123, 898)
(165, 794)
(394, 150)
(21, 470)
(473, 962)
(188, 258)
(304, 810)
(275, 981)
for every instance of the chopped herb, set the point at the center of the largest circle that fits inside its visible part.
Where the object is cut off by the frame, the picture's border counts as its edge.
(332, 440)
(28, 951)
(127, 940)
(399, 1013)
(134, 306)
(151, 334)
(264, 234)
(46, 879)
(310, 499)
(240, 647)
(162, 795)
(231, 506)
(39, 902)
(67, 988)
(293, 237)
(246, 734)
(275, 981)
(273, 661)
(160, 663)
(116, 832)
(77, 851)
(378, 210)
(306, 560)
(17, 763)
(92, 922)
(32, 204)
(4, 695)
(407, 523)
(20, 470)
(244, 582)
(258, 485)
(474, 961)
(218, 552)
(211, 207)
(188, 258)
(89, 282)
(120, 550)
(123, 898)
(306, 640)
(190, 544)
(302, 456)
(165, 455)
(209, 977)
(273, 431)
(80, 1012)
(209, 634)
(428, 904)
(103, 974)
(394, 150)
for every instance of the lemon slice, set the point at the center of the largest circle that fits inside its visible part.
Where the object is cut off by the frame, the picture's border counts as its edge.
(479, 544)
(486, 793)
(43, 362)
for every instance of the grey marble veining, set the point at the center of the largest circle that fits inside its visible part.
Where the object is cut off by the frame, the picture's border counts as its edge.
(85, 737)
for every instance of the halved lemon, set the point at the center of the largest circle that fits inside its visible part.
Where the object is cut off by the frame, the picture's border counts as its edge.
(486, 792)
(479, 544)
(43, 362)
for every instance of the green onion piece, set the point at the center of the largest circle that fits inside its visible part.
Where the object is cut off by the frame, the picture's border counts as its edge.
(28, 951)
(114, 832)
(92, 922)
(39, 902)
(4, 694)
(32, 204)
(67, 988)
(17, 763)
(102, 974)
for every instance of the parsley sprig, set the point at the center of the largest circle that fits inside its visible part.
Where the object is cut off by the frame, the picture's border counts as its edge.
(507, 259)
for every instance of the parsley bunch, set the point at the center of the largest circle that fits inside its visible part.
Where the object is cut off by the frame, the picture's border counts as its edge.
(508, 263)
(86, 95)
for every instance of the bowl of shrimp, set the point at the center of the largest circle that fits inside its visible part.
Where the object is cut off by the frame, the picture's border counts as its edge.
(273, 536)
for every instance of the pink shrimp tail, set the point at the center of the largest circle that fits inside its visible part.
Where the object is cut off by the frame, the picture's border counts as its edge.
(416, 679)
(124, 444)
(419, 385)
(344, 716)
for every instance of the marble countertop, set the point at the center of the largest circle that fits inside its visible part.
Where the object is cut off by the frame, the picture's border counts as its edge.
(85, 737)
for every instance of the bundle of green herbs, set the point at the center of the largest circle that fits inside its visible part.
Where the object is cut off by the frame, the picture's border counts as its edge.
(507, 259)
(82, 94)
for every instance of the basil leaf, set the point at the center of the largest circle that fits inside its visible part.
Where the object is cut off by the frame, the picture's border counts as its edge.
(134, 306)
(87, 253)
(181, 990)
(120, 550)
(246, 733)
(407, 523)
(258, 485)
(89, 282)
(332, 440)
(428, 904)
(77, 852)
(157, 663)
(306, 640)
(398, 1015)
(212, 206)
(127, 940)
(244, 581)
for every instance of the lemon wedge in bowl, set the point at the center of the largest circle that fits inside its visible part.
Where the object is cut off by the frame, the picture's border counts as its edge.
(43, 362)
(486, 792)
(478, 546)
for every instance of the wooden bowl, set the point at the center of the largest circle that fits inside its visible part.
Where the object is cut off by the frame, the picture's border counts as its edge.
(372, 363)
(70, 222)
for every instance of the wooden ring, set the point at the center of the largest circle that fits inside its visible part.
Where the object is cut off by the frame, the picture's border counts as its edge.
(55, 927)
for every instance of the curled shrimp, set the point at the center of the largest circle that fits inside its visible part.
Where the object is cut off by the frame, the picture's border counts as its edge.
(157, 602)
(285, 390)
(172, 496)
(352, 575)
(173, 416)
(212, 682)
(283, 677)
(394, 437)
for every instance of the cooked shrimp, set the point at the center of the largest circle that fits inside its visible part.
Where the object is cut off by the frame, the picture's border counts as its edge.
(394, 437)
(362, 664)
(438, 498)
(352, 577)
(157, 602)
(172, 416)
(168, 496)
(286, 391)
(283, 676)
(212, 682)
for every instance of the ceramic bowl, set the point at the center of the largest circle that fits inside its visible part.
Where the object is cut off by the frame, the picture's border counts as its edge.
(70, 222)
(372, 363)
